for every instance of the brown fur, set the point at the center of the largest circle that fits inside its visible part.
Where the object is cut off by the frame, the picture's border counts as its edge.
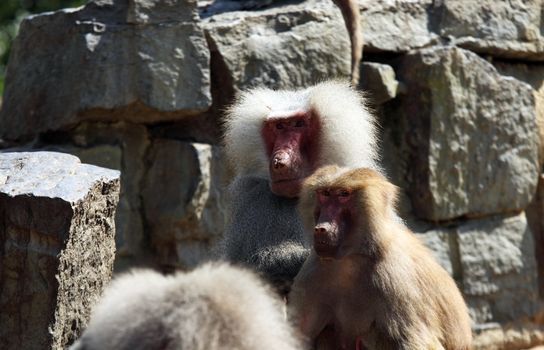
(388, 289)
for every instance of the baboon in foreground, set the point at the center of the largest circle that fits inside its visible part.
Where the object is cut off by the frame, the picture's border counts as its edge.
(214, 307)
(369, 283)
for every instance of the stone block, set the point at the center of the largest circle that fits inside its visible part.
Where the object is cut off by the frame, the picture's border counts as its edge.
(288, 46)
(378, 82)
(532, 74)
(183, 197)
(499, 277)
(513, 336)
(510, 29)
(535, 217)
(139, 60)
(470, 134)
(57, 241)
(397, 26)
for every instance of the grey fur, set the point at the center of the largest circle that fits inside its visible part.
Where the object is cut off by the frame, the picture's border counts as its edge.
(278, 254)
(217, 306)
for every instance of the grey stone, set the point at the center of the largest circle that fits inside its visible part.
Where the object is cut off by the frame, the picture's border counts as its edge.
(502, 28)
(147, 60)
(183, 196)
(57, 238)
(499, 275)
(519, 335)
(535, 217)
(470, 134)
(532, 74)
(397, 26)
(132, 240)
(378, 82)
(104, 156)
(511, 29)
(280, 47)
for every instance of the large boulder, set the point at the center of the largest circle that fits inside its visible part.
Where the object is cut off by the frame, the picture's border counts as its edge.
(281, 47)
(504, 28)
(109, 60)
(397, 26)
(470, 134)
(499, 273)
(57, 241)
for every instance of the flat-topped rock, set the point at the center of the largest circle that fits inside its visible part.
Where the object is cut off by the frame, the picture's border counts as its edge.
(49, 174)
(57, 241)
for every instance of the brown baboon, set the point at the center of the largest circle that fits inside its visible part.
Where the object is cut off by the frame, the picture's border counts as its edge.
(368, 282)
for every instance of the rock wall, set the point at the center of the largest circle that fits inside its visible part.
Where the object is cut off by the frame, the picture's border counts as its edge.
(458, 87)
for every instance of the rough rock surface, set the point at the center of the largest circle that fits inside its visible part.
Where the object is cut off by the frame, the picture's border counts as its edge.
(535, 217)
(502, 28)
(378, 82)
(532, 74)
(397, 26)
(183, 196)
(146, 55)
(513, 336)
(472, 135)
(499, 277)
(133, 140)
(510, 29)
(57, 243)
(281, 47)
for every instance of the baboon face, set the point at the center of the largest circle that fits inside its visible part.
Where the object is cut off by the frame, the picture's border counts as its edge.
(291, 142)
(334, 221)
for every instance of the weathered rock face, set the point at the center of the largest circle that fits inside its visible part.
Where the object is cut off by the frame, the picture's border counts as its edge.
(493, 263)
(57, 243)
(472, 135)
(535, 217)
(397, 26)
(282, 47)
(378, 82)
(507, 29)
(498, 268)
(511, 29)
(184, 204)
(108, 55)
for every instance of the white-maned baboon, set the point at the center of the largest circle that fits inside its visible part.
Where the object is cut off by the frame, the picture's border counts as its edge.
(369, 283)
(214, 307)
(274, 140)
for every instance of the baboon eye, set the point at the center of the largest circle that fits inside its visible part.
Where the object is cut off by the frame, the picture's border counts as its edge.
(279, 125)
(299, 123)
(344, 193)
(326, 193)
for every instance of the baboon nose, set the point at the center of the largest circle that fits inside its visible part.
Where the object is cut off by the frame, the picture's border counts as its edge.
(320, 230)
(281, 160)
(278, 163)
